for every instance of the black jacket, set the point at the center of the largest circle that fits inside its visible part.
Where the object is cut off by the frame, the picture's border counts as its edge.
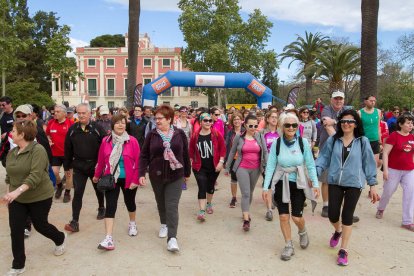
(138, 131)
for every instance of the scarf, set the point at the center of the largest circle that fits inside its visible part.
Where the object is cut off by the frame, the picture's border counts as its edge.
(168, 153)
(118, 142)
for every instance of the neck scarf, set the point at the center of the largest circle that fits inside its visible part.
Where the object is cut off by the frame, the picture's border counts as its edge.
(168, 153)
(118, 141)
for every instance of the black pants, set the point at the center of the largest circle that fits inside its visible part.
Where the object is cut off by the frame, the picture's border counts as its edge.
(349, 196)
(79, 184)
(39, 212)
(168, 196)
(205, 182)
(112, 198)
(297, 199)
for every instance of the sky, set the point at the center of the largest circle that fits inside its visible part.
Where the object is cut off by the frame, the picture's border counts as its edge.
(159, 18)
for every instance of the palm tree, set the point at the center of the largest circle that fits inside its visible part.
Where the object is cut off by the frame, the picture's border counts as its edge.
(369, 29)
(304, 50)
(133, 39)
(336, 63)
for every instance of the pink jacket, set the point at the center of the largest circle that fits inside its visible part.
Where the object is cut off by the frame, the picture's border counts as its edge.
(130, 155)
(219, 126)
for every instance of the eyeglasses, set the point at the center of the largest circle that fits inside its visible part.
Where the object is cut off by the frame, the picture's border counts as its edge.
(139, 110)
(21, 116)
(305, 112)
(208, 120)
(253, 126)
(159, 118)
(347, 121)
(294, 125)
(396, 112)
(216, 114)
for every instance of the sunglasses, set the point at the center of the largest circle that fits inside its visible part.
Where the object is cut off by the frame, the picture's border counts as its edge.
(216, 114)
(294, 125)
(21, 116)
(253, 126)
(207, 121)
(347, 121)
(305, 112)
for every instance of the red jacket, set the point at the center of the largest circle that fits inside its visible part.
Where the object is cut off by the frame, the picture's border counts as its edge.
(130, 155)
(219, 149)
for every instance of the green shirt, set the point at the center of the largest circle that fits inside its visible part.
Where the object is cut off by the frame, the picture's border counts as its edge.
(371, 124)
(29, 167)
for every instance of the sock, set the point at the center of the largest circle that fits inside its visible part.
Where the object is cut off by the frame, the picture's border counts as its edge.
(132, 222)
(325, 203)
(303, 230)
(67, 191)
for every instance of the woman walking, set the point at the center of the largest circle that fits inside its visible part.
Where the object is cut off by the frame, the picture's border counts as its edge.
(251, 151)
(165, 154)
(30, 193)
(350, 162)
(290, 156)
(207, 151)
(398, 167)
(119, 156)
(309, 127)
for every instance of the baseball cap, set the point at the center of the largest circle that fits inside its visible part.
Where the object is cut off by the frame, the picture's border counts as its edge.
(338, 93)
(70, 110)
(104, 110)
(25, 109)
(290, 107)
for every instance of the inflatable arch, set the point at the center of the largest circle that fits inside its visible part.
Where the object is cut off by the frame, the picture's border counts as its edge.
(170, 79)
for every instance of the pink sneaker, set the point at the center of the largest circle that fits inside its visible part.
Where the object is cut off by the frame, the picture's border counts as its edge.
(335, 239)
(379, 214)
(409, 227)
(342, 258)
(209, 208)
(201, 216)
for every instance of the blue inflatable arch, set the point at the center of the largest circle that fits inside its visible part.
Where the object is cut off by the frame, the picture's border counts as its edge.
(170, 79)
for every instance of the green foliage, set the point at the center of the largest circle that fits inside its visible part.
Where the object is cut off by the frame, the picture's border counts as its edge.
(108, 40)
(27, 92)
(240, 96)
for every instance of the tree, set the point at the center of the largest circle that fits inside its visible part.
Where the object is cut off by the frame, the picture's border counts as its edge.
(28, 92)
(270, 66)
(406, 49)
(218, 40)
(108, 40)
(305, 50)
(369, 29)
(133, 39)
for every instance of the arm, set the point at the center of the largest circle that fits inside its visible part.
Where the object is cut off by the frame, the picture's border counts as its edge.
(37, 167)
(100, 165)
(386, 152)
(137, 150)
(232, 151)
(144, 157)
(314, 133)
(368, 163)
(186, 155)
(67, 164)
(324, 158)
(192, 148)
(270, 166)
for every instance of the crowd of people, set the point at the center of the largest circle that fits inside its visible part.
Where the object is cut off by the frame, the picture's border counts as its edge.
(293, 149)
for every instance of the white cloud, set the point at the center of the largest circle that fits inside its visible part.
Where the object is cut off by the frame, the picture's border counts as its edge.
(74, 43)
(345, 14)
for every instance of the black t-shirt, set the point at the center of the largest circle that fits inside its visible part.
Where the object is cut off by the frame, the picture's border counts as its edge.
(205, 148)
(6, 122)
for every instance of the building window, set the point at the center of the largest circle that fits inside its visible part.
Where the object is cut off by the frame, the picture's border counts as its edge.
(167, 93)
(110, 87)
(92, 104)
(91, 62)
(111, 104)
(110, 62)
(126, 62)
(92, 89)
(194, 104)
(146, 81)
(147, 62)
(167, 103)
(166, 62)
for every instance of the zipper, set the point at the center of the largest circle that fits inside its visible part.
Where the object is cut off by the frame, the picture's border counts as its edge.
(344, 162)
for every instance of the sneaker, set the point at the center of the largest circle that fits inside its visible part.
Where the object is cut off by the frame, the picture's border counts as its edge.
(209, 208)
(379, 214)
(335, 239)
(107, 244)
(172, 245)
(269, 215)
(66, 197)
(305, 204)
(246, 225)
(324, 213)
(342, 257)
(201, 216)
(184, 186)
(59, 190)
(303, 239)
(233, 203)
(14, 271)
(355, 219)
(409, 227)
(101, 213)
(163, 231)
(27, 233)
(73, 226)
(60, 249)
(132, 229)
(288, 252)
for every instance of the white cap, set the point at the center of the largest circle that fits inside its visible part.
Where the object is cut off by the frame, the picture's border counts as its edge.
(104, 110)
(338, 93)
(25, 109)
(290, 107)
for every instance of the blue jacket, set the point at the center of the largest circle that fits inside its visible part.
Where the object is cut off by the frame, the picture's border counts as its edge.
(359, 166)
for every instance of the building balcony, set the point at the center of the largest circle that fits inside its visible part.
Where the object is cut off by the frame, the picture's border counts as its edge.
(115, 93)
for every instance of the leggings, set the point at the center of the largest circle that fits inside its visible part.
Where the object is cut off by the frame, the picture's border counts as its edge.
(113, 195)
(247, 182)
(205, 181)
(349, 196)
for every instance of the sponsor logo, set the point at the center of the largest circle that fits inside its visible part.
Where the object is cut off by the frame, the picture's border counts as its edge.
(161, 85)
(407, 147)
(256, 88)
(210, 80)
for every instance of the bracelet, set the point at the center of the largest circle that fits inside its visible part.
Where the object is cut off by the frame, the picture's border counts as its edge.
(221, 161)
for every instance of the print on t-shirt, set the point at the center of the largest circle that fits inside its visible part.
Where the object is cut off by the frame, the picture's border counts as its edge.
(205, 148)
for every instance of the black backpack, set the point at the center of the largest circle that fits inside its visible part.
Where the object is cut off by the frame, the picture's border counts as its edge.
(278, 145)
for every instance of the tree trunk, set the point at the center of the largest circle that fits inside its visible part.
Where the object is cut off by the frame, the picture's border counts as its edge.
(133, 39)
(308, 89)
(369, 13)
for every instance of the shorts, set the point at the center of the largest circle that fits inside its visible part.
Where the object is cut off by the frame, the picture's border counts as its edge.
(324, 176)
(57, 161)
(297, 199)
(375, 146)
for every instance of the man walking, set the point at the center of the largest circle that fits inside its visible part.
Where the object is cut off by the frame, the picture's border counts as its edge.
(81, 154)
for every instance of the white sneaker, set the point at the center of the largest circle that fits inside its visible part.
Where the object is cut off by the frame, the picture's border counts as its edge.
(60, 249)
(132, 229)
(107, 244)
(27, 233)
(163, 231)
(172, 245)
(14, 272)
